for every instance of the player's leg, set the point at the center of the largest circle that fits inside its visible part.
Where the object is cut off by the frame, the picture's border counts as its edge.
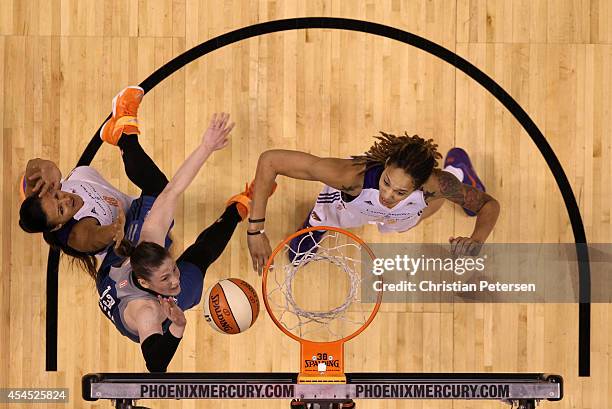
(211, 242)
(305, 243)
(207, 248)
(140, 168)
(209, 245)
(459, 164)
(123, 130)
(327, 211)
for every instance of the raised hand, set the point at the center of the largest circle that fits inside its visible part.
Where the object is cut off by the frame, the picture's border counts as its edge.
(119, 227)
(47, 179)
(172, 311)
(216, 136)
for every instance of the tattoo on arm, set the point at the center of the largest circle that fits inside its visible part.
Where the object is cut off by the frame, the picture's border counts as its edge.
(474, 199)
(467, 196)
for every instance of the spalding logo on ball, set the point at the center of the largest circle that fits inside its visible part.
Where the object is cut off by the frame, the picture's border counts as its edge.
(231, 306)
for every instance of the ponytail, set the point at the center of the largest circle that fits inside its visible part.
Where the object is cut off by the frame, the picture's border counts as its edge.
(85, 261)
(125, 249)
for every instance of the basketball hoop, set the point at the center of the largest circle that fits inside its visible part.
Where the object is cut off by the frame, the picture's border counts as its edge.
(320, 319)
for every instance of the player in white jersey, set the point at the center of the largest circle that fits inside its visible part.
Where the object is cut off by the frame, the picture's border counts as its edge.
(394, 185)
(83, 214)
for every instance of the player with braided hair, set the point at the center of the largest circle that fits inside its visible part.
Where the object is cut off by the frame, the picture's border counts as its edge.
(395, 185)
(415, 155)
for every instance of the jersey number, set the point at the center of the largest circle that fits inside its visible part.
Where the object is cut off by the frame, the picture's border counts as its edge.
(107, 302)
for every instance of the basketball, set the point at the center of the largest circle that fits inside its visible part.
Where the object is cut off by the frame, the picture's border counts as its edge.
(231, 306)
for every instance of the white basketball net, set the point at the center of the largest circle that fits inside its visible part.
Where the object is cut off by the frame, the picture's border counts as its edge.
(343, 254)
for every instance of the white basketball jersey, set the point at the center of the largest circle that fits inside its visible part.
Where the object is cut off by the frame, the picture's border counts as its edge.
(100, 199)
(332, 209)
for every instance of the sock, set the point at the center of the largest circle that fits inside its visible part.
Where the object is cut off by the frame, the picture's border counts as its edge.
(455, 171)
(243, 211)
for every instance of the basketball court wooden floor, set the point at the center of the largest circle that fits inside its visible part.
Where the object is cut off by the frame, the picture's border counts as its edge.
(325, 92)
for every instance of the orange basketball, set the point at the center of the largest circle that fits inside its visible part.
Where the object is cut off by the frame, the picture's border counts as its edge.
(231, 306)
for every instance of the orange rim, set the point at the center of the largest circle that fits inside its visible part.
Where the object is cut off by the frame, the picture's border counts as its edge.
(280, 247)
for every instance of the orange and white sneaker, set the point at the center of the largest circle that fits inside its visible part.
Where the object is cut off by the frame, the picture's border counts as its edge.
(125, 112)
(243, 199)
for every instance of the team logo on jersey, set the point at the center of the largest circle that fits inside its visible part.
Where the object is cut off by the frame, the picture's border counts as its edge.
(111, 201)
(94, 211)
(123, 283)
(315, 216)
(369, 202)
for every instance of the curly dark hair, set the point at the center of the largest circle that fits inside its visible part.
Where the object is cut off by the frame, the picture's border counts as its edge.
(416, 156)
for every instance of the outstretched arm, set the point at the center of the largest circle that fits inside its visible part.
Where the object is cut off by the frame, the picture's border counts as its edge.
(89, 236)
(338, 173)
(160, 217)
(481, 203)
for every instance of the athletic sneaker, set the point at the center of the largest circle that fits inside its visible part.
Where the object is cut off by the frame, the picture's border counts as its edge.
(243, 199)
(124, 119)
(459, 158)
(304, 243)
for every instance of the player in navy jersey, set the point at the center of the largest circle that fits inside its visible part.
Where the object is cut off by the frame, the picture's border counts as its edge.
(146, 295)
(394, 185)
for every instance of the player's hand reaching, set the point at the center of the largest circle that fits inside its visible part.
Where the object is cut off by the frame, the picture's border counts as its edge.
(216, 136)
(464, 246)
(119, 227)
(259, 247)
(172, 311)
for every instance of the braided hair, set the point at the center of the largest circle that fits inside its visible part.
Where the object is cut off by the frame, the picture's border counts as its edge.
(414, 155)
